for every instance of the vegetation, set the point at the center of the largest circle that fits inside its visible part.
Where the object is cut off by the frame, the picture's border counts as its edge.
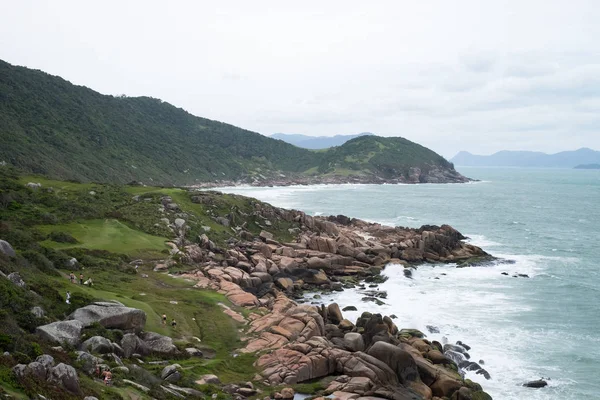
(109, 229)
(50, 126)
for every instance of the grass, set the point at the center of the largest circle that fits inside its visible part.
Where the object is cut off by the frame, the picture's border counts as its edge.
(110, 235)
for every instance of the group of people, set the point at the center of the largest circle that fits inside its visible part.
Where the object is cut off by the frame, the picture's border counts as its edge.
(73, 279)
(104, 374)
(173, 322)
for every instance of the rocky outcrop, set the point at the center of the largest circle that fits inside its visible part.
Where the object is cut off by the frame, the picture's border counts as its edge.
(7, 249)
(15, 278)
(113, 315)
(374, 359)
(65, 376)
(61, 332)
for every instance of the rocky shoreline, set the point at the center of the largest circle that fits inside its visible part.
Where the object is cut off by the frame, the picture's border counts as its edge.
(414, 176)
(297, 342)
(292, 342)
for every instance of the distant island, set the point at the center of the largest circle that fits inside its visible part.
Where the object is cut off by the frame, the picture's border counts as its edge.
(587, 166)
(316, 142)
(564, 159)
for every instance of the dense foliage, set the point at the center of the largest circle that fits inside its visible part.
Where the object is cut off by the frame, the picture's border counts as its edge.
(50, 126)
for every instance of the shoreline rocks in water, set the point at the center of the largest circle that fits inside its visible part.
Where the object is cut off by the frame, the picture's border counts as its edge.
(305, 342)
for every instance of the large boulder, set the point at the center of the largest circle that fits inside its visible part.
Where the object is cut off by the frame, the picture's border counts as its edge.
(88, 362)
(113, 315)
(132, 344)
(353, 341)
(159, 344)
(65, 376)
(400, 361)
(98, 344)
(61, 332)
(7, 249)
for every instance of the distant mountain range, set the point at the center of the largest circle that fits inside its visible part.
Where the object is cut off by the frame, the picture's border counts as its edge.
(505, 158)
(316, 142)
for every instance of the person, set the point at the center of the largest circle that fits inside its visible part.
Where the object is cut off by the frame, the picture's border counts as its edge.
(107, 376)
(68, 297)
(164, 319)
(173, 323)
(72, 277)
(81, 279)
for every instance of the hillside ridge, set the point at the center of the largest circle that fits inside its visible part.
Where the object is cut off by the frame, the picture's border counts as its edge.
(50, 126)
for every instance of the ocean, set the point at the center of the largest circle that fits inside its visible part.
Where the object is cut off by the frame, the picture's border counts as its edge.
(547, 221)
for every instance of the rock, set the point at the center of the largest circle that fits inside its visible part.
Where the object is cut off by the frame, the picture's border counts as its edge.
(61, 332)
(353, 341)
(246, 392)
(137, 385)
(349, 308)
(400, 361)
(159, 344)
(46, 360)
(208, 379)
(334, 314)
(346, 325)
(65, 375)
(266, 235)
(540, 383)
(90, 398)
(97, 344)
(15, 278)
(287, 393)
(285, 283)
(179, 223)
(445, 386)
(432, 329)
(411, 333)
(72, 263)
(7, 249)
(38, 311)
(194, 352)
(33, 185)
(170, 373)
(88, 362)
(112, 315)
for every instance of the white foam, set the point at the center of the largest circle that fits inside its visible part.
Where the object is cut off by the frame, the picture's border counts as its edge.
(472, 305)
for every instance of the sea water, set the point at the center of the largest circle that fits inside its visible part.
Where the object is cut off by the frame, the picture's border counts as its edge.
(547, 221)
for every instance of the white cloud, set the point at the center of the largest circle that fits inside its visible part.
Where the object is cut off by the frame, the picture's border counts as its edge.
(466, 75)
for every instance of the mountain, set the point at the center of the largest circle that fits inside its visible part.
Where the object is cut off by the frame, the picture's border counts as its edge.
(565, 159)
(587, 166)
(316, 142)
(52, 127)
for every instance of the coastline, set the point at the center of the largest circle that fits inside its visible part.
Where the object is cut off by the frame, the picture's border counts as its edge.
(416, 176)
(296, 342)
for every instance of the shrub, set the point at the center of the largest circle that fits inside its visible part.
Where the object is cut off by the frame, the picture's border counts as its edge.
(62, 237)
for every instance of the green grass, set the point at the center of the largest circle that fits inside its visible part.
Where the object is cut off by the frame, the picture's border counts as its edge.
(109, 234)
(59, 185)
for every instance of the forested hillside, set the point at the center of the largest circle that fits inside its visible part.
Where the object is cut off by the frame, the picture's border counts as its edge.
(50, 126)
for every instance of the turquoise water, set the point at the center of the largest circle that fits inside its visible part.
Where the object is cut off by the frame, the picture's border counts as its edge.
(546, 220)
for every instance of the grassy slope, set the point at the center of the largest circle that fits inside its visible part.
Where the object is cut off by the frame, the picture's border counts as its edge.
(39, 262)
(108, 234)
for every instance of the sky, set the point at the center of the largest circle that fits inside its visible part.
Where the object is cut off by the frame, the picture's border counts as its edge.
(480, 76)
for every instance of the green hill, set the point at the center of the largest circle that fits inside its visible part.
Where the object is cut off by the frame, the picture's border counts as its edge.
(52, 127)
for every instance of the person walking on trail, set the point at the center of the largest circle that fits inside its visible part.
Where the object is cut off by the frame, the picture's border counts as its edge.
(81, 279)
(173, 323)
(68, 297)
(72, 277)
(164, 319)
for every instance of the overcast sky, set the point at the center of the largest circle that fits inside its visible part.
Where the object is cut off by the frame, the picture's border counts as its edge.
(452, 75)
